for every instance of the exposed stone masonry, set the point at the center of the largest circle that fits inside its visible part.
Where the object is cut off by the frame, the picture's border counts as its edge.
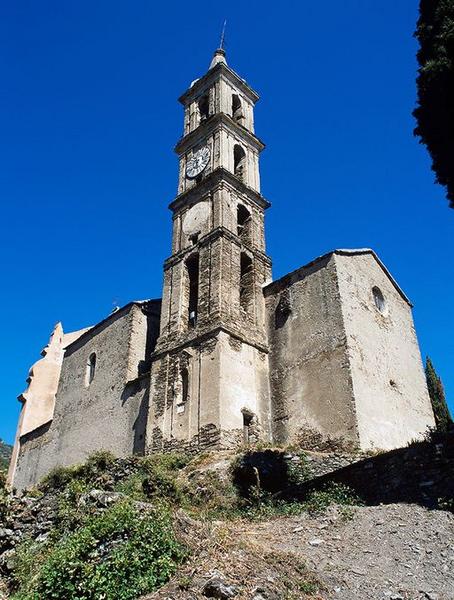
(230, 357)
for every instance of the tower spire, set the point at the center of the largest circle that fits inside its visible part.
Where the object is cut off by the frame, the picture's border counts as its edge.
(221, 45)
(219, 53)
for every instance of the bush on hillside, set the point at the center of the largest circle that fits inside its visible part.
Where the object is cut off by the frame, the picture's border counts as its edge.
(117, 555)
(92, 469)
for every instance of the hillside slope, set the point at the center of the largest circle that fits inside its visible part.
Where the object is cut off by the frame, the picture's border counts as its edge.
(398, 552)
(172, 527)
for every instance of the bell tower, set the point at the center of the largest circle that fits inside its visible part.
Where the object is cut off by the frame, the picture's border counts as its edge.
(209, 379)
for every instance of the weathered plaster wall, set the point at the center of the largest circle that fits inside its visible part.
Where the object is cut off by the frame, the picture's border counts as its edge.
(225, 376)
(392, 403)
(110, 412)
(311, 388)
(43, 378)
(244, 388)
(91, 417)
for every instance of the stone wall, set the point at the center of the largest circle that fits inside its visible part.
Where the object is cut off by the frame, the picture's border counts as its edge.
(38, 399)
(421, 473)
(108, 413)
(344, 357)
(311, 387)
(35, 457)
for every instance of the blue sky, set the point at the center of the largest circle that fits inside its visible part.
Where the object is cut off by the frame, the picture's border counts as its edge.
(89, 117)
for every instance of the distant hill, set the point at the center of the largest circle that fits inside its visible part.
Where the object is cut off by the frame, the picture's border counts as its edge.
(5, 455)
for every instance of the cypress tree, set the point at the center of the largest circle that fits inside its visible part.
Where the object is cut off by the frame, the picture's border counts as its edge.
(443, 418)
(435, 83)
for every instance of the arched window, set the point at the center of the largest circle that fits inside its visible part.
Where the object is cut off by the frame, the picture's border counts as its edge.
(237, 109)
(243, 223)
(239, 162)
(90, 369)
(246, 281)
(379, 299)
(204, 107)
(192, 269)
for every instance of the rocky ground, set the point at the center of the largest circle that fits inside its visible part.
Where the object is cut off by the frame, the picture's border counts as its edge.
(381, 552)
(395, 552)
(385, 552)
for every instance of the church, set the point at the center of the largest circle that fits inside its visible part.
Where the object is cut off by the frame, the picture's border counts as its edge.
(327, 354)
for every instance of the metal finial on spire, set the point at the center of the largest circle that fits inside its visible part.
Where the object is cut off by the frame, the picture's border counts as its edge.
(221, 45)
(219, 54)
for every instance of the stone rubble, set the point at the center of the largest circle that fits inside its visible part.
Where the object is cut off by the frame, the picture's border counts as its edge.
(388, 552)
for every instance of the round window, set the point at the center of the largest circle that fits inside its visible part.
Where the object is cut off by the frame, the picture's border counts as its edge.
(379, 299)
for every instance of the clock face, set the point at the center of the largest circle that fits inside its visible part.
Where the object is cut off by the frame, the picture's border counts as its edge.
(198, 162)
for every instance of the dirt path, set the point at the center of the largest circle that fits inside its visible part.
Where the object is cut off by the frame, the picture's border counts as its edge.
(394, 552)
(383, 552)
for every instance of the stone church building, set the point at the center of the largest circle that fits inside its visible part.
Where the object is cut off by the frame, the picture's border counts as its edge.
(229, 356)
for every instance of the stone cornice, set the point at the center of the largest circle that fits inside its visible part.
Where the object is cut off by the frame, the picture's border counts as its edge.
(177, 346)
(214, 234)
(217, 72)
(215, 179)
(217, 121)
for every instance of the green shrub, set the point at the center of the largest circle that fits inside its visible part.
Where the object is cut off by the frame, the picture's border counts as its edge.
(57, 478)
(132, 486)
(98, 461)
(331, 493)
(446, 504)
(155, 476)
(160, 475)
(94, 469)
(117, 555)
(172, 461)
(70, 512)
(28, 560)
(209, 496)
(266, 506)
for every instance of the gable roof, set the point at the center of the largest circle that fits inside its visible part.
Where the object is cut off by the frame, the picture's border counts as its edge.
(115, 314)
(345, 252)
